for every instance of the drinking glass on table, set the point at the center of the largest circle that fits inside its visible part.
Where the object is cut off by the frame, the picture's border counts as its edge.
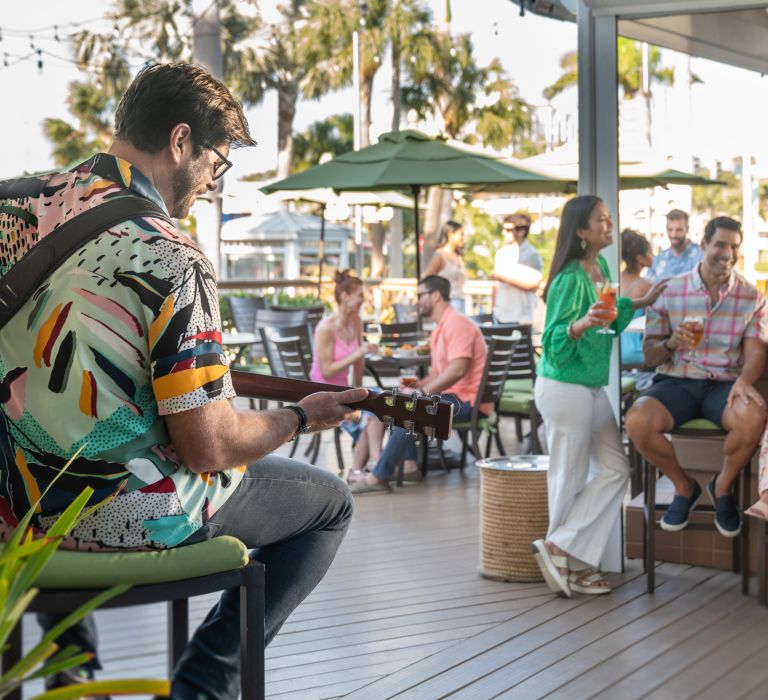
(373, 333)
(607, 295)
(695, 326)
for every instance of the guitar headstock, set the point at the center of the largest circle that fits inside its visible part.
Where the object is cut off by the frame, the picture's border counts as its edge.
(427, 415)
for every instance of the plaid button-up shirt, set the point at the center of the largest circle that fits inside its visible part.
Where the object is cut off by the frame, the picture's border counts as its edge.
(740, 312)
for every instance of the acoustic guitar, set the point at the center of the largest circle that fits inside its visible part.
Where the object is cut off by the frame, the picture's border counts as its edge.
(426, 415)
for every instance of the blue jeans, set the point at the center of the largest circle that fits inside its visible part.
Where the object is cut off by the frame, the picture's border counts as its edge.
(293, 517)
(399, 447)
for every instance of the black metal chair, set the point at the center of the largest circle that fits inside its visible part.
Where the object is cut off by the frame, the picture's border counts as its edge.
(244, 310)
(157, 580)
(271, 332)
(501, 351)
(314, 314)
(481, 319)
(398, 334)
(694, 443)
(296, 365)
(518, 390)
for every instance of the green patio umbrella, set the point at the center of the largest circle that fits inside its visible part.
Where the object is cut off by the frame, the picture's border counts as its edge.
(411, 160)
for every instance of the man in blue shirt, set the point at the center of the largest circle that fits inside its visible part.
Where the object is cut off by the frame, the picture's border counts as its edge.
(681, 256)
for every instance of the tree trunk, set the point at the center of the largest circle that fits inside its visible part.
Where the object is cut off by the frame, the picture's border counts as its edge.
(396, 225)
(366, 90)
(431, 223)
(286, 111)
(378, 263)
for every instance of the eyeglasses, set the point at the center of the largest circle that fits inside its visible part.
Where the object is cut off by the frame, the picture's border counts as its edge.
(222, 165)
(421, 294)
(516, 228)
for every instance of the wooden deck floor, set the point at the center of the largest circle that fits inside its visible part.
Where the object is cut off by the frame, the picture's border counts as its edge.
(403, 614)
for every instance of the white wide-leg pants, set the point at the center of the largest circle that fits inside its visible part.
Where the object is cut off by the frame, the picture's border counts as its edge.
(588, 470)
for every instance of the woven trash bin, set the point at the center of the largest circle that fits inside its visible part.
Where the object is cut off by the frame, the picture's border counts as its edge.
(513, 513)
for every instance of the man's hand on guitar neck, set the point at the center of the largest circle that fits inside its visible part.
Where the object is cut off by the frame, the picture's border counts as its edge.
(326, 409)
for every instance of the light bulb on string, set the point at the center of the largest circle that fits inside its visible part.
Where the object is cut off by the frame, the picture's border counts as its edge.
(56, 33)
(40, 59)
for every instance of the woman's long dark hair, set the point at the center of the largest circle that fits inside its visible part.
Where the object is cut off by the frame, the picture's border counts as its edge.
(576, 213)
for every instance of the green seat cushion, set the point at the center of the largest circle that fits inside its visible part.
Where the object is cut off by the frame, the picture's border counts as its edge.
(70, 569)
(485, 424)
(628, 384)
(699, 424)
(515, 402)
(516, 385)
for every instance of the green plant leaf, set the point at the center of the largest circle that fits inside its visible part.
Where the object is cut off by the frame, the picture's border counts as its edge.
(126, 686)
(67, 658)
(23, 666)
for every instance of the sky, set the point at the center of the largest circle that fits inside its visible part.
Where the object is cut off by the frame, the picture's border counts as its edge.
(728, 112)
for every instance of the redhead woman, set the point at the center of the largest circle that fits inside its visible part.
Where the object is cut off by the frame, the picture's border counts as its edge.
(339, 349)
(588, 471)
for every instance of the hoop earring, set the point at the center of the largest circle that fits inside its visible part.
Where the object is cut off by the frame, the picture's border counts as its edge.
(583, 244)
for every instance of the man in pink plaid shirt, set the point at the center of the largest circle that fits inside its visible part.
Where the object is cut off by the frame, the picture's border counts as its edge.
(714, 380)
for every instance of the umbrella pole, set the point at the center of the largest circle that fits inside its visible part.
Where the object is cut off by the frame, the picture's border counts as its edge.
(417, 234)
(321, 253)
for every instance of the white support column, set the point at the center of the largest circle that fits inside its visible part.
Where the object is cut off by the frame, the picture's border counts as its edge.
(599, 168)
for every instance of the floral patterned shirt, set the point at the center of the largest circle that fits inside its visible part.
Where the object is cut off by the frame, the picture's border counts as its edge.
(125, 331)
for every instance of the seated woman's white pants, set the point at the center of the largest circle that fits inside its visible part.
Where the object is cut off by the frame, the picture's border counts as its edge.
(588, 470)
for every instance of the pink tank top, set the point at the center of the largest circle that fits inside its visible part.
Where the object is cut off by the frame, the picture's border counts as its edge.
(340, 351)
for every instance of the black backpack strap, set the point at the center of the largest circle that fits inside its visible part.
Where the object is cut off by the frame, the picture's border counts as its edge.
(20, 282)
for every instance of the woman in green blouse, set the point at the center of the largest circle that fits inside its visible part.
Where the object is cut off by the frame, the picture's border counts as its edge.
(588, 470)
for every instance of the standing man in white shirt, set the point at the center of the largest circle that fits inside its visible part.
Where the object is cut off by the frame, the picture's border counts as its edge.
(517, 269)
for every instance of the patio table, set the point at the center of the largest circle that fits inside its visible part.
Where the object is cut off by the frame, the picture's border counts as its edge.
(420, 363)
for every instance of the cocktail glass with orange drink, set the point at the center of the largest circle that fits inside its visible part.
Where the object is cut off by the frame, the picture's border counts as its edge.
(607, 295)
(695, 326)
(408, 377)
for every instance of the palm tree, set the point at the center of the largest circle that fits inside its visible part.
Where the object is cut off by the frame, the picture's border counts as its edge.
(148, 30)
(472, 103)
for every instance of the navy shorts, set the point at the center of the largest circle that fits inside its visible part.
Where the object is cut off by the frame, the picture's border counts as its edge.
(687, 399)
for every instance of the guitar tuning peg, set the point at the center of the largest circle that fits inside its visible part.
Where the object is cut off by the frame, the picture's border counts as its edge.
(435, 399)
(389, 423)
(409, 425)
(429, 432)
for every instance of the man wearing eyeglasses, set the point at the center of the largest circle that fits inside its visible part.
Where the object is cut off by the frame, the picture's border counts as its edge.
(517, 269)
(119, 351)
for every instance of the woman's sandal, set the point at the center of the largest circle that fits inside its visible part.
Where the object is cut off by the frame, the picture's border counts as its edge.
(586, 581)
(550, 565)
(759, 510)
(355, 475)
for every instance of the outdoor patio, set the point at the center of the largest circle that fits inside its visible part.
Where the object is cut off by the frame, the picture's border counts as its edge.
(403, 613)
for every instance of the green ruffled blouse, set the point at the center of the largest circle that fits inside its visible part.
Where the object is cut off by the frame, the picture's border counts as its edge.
(587, 360)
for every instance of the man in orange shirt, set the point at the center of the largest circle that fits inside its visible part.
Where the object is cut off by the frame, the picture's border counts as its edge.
(458, 361)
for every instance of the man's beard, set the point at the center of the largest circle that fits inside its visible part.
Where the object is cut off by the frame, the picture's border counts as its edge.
(182, 189)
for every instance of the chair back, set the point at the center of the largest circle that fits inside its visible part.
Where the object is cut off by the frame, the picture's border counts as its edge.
(271, 333)
(523, 365)
(399, 333)
(501, 352)
(314, 312)
(480, 319)
(278, 317)
(292, 358)
(406, 313)
(244, 310)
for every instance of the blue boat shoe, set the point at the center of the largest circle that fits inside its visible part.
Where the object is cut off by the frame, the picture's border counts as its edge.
(727, 516)
(678, 512)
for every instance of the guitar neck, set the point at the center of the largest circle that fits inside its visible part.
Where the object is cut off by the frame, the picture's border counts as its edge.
(264, 386)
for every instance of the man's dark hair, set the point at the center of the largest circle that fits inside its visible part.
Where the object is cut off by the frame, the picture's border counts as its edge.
(164, 95)
(435, 283)
(576, 213)
(677, 215)
(725, 222)
(520, 219)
